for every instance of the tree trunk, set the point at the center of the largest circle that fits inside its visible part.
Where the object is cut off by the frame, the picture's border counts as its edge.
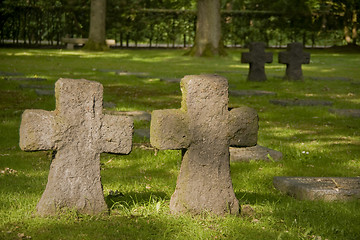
(350, 28)
(208, 40)
(97, 34)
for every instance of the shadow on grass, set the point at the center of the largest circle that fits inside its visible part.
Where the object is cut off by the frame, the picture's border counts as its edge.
(133, 199)
(316, 218)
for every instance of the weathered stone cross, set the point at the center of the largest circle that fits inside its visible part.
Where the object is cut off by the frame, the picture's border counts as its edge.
(257, 57)
(294, 57)
(78, 132)
(203, 128)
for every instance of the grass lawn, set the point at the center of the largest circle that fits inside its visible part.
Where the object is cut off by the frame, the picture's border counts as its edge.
(314, 141)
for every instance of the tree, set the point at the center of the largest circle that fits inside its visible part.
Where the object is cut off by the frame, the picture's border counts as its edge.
(350, 10)
(97, 34)
(208, 40)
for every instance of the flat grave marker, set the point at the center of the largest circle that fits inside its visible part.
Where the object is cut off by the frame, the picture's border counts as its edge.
(301, 102)
(6, 74)
(32, 86)
(122, 72)
(331, 78)
(171, 80)
(78, 132)
(246, 93)
(346, 112)
(319, 188)
(245, 154)
(44, 92)
(30, 79)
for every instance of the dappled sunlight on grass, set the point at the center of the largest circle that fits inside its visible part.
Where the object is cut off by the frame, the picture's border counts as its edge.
(314, 142)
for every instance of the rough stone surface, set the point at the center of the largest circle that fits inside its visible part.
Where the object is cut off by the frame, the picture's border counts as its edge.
(201, 129)
(245, 93)
(294, 57)
(347, 112)
(245, 154)
(257, 57)
(319, 188)
(300, 102)
(78, 131)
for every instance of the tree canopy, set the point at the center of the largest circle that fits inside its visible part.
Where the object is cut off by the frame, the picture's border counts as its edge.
(173, 21)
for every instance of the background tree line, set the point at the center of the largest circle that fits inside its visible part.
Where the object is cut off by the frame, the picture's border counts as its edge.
(173, 22)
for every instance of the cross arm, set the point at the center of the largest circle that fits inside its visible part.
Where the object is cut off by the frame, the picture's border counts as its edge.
(37, 130)
(268, 57)
(283, 57)
(116, 134)
(169, 129)
(243, 127)
(246, 57)
(306, 58)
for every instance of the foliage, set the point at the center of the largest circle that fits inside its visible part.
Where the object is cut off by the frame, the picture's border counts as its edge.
(314, 142)
(321, 22)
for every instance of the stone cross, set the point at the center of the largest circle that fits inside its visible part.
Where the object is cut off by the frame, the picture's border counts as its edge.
(78, 132)
(203, 129)
(294, 57)
(257, 57)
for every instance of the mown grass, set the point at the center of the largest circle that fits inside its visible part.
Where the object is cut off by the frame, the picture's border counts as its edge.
(314, 142)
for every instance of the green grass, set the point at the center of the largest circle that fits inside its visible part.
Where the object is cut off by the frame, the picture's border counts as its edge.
(147, 181)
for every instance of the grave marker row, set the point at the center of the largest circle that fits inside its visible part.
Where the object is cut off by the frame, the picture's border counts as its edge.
(78, 131)
(293, 57)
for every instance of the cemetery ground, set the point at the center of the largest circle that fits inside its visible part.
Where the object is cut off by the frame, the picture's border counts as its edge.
(316, 141)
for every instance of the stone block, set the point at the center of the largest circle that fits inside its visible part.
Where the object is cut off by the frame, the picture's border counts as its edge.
(319, 188)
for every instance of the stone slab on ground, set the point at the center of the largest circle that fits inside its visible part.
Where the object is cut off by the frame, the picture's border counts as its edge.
(346, 112)
(319, 188)
(109, 104)
(2, 73)
(43, 92)
(171, 80)
(108, 70)
(143, 132)
(240, 93)
(122, 72)
(32, 79)
(136, 115)
(32, 86)
(126, 73)
(300, 102)
(331, 78)
(232, 71)
(245, 154)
